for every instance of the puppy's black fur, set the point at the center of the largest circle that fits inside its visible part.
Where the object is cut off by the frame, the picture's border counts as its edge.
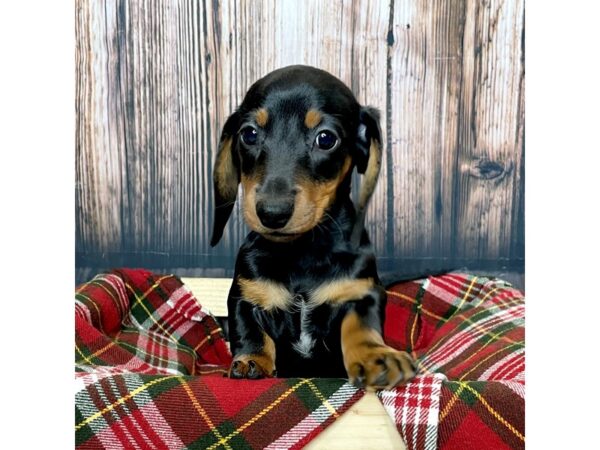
(306, 300)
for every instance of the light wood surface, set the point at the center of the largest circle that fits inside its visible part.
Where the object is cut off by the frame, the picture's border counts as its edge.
(365, 426)
(157, 79)
(212, 293)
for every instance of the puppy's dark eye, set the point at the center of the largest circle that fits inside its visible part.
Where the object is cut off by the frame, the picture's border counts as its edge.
(326, 140)
(249, 136)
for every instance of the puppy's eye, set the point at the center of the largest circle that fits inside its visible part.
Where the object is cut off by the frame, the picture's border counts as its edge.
(326, 140)
(249, 136)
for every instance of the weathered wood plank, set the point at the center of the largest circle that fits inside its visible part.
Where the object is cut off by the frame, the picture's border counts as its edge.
(99, 147)
(156, 81)
(425, 89)
(490, 150)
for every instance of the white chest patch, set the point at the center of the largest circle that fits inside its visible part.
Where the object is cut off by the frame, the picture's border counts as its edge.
(306, 342)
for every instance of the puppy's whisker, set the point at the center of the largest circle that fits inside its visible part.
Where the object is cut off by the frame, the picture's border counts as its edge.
(224, 205)
(335, 222)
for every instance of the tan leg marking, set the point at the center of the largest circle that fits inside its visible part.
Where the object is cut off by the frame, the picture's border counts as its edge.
(369, 362)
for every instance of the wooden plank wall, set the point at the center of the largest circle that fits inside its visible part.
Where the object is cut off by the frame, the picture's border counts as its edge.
(157, 79)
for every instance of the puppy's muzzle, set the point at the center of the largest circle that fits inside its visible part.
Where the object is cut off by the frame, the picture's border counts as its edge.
(275, 203)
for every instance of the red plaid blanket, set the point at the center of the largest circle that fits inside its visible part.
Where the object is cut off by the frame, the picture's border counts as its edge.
(149, 374)
(467, 334)
(150, 360)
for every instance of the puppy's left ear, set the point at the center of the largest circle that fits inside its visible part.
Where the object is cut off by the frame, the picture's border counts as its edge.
(226, 177)
(368, 162)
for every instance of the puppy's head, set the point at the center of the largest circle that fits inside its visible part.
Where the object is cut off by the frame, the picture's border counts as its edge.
(292, 144)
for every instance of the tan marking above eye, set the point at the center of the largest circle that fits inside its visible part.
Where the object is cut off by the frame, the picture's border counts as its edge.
(267, 294)
(341, 290)
(312, 119)
(262, 117)
(269, 347)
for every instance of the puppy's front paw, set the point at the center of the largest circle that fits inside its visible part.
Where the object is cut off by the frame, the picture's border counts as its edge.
(252, 366)
(379, 367)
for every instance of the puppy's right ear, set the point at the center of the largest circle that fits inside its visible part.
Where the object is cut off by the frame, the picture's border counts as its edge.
(226, 177)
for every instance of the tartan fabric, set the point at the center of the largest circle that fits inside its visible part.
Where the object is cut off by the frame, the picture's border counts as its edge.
(149, 366)
(134, 320)
(415, 409)
(467, 335)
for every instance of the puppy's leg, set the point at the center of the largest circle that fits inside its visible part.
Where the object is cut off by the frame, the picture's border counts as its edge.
(256, 363)
(368, 361)
(252, 347)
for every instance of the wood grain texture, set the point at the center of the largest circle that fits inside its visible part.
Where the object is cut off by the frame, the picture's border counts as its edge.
(365, 426)
(157, 79)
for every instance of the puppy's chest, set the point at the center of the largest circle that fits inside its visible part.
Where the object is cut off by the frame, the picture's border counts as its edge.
(305, 325)
(304, 283)
(302, 327)
(302, 310)
(302, 269)
(300, 295)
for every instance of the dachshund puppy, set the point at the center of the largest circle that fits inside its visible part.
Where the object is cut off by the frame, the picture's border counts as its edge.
(306, 300)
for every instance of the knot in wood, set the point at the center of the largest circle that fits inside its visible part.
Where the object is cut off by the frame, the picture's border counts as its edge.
(486, 169)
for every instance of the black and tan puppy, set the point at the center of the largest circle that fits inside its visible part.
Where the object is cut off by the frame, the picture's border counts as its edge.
(306, 300)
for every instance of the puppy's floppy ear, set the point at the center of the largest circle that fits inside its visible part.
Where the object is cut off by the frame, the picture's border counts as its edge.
(368, 162)
(226, 177)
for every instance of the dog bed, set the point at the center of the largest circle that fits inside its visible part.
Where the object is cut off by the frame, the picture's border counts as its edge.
(150, 362)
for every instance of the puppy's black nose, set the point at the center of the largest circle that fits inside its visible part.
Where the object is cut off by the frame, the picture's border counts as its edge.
(274, 214)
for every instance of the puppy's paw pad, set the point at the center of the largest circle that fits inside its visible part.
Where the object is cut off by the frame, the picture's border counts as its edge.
(381, 368)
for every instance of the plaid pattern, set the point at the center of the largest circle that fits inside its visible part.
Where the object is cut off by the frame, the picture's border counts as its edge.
(149, 374)
(132, 320)
(415, 408)
(149, 363)
(467, 335)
